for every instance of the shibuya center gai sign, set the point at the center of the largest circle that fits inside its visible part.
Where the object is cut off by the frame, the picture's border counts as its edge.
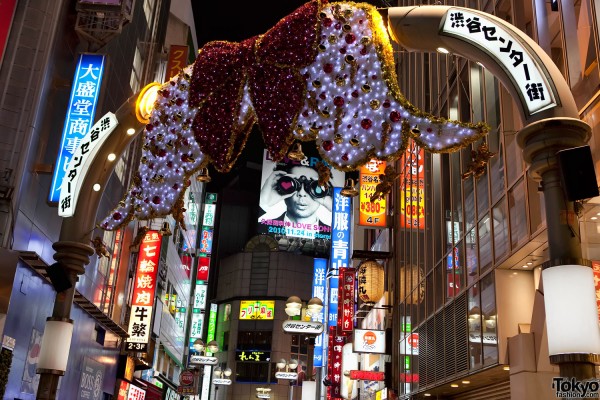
(509, 51)
(306, 327)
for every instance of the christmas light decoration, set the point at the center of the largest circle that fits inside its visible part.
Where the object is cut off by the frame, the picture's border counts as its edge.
(325, 73)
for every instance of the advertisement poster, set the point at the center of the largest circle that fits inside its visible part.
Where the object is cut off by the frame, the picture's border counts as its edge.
(372, 214)
(92, 378)
(30, 378)
(293, 204)
(412, 187)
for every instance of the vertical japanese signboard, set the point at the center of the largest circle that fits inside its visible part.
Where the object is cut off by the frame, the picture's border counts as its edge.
(318, 290)
(334, 365)
(346, 302)
(80, 115)
(340, 249)
(144, 286)
(178, 60)
(372, 214)
(412, 188)
(203, 267)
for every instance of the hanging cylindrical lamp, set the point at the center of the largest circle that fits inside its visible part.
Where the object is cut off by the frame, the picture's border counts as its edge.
(371, 284)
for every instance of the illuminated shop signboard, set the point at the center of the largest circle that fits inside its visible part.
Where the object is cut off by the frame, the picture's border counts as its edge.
(206, 239)
(510, 51)
(318, 290)
(252, 356)
(257, 309)
(144, 287)
(372, 214)
(346, 294)
(369, 341)
(340, 250)
(209, 215)
(81, 111)
(412, 187)
(178, 60)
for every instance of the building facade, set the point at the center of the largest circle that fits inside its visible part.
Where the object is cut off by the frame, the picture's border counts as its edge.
(467, 263)
(41, 44)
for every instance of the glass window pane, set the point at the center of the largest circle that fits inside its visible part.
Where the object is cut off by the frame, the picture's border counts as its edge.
(485, 243)
(501, 249)
(549, 37)
(518, 217)
(537, 207)
(582, 57)
(471, 257)
(474, 323)
(488, 315)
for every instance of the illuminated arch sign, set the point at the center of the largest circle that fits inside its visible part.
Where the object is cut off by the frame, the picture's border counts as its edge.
(508, 50)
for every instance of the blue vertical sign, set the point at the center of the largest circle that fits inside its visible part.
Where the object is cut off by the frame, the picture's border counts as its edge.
(318, 290)
(340, 248)
(80, 115)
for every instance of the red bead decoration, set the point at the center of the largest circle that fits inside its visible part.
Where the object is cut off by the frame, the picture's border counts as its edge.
(338, 101)
(117, 216)
(366, 123)
(328, 68)
(395, 116)
(327, 145)
(350, 38)
(156, 200)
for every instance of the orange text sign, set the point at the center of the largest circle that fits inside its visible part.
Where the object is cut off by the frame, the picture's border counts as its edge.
(371, 214)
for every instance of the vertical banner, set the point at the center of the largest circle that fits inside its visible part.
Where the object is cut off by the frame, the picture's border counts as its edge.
(178, 60)
(412, 187)
(144, 286)
(81, 111)
(318, 290)
(372, 214)
(334, 369)
(346, 303)
(596, 269)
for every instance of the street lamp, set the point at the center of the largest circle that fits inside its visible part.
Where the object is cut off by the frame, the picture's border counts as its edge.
(221, 377)
(201, 358)
(289, 373)
(310, 328)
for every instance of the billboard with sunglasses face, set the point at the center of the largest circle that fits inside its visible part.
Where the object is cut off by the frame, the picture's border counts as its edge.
(295, 209)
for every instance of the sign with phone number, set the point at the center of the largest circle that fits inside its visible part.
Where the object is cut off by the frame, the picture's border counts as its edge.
(371, 213)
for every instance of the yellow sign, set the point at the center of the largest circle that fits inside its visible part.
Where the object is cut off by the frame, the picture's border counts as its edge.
(257, 309)
(371, 213)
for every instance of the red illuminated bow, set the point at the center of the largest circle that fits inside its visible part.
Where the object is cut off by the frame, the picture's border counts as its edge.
(269, 65)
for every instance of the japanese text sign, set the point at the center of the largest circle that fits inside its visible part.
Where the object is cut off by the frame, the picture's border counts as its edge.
(412, 187)
(257, 309)
(144, 287)
(509, 50)
(82, 157)
(178, 60)
(206, 239)
(346, 302)
(252, 356)
(203, 267)
(318, 290)
(80, 115)
(371, 213)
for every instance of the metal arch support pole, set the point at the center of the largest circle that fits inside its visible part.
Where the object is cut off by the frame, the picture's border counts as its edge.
(73, 250)
(545, 132)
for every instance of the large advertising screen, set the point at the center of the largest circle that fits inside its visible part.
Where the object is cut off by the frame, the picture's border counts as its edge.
(294, 206)
(412, 188)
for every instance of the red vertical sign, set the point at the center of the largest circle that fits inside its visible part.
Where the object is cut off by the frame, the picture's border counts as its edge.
(203, 267)
(177, 60)
(7, 10)
(346, 300)
(334, 364)
(412, 188)
(144, 287)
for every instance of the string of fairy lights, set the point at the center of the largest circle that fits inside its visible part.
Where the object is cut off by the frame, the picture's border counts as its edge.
(324, 73)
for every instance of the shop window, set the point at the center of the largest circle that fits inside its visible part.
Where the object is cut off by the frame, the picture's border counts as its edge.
(489, 337)
(474, 325)
(254, 340)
